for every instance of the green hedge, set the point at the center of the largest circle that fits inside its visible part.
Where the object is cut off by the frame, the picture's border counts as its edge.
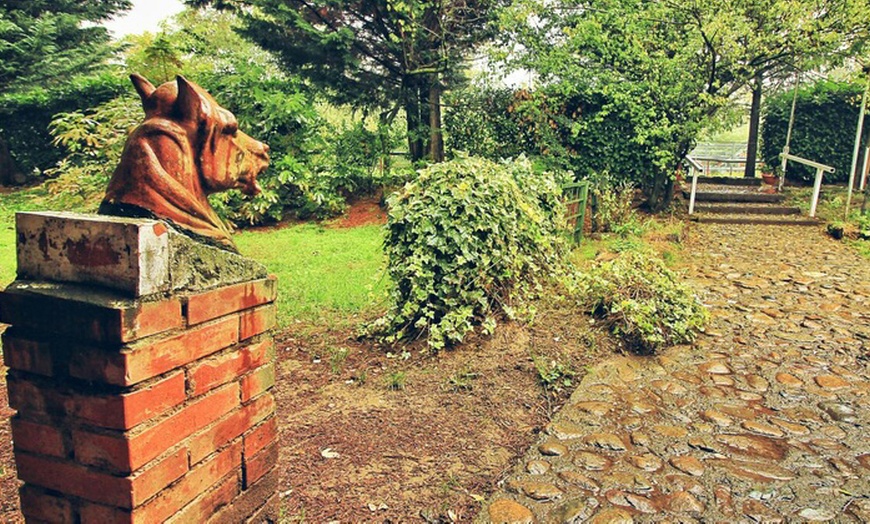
(826, 116)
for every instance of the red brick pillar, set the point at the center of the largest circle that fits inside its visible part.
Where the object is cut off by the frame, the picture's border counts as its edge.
(132, 407)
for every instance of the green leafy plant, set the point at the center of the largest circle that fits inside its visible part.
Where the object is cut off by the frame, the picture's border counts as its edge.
(641, 300)
(468, 240)
(552, 374)
(337, 356)
(395, 380)
(462, 380)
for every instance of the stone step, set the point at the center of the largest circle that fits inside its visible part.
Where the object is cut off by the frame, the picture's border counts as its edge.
(756, 219)
(717, 196)
(747, 208)
(728, 181)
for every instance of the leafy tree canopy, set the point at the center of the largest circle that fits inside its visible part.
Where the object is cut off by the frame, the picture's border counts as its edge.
(384, 54)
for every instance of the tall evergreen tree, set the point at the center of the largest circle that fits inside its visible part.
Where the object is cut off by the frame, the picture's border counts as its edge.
(41, 42)
(384, 54)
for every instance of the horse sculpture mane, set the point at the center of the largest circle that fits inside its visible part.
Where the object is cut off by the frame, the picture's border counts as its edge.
(187, 148)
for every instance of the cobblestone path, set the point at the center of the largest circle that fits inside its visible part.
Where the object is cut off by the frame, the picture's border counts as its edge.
(765, 419)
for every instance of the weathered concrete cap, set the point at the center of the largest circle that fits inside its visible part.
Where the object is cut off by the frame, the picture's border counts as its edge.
(126, 254)
(136, 256)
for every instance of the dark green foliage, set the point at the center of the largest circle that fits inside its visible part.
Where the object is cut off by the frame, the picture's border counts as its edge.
(483, 121)
(25, 116)
(642, 301)
(469, 239)
(46, 43)
(826, 117)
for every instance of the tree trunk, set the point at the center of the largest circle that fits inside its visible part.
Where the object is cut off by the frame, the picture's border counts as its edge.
(412, 116)
(436, 139)
(754, 123)
(9, 174)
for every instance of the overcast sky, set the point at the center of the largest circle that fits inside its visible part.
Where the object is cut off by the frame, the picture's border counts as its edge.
(146, 15)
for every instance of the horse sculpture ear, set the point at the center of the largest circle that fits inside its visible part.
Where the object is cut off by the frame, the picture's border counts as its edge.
(143, 86)
(188, 105)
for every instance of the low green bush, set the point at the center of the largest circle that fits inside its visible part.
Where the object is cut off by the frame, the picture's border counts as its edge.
(641, 300)
(468, 240)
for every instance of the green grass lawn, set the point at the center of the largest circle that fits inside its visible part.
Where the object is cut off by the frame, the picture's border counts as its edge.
(325, 275)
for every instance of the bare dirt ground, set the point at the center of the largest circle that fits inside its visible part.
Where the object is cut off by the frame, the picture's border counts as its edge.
(358, 447)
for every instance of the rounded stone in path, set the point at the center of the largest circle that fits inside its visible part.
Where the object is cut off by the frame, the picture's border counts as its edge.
(552, 448)
(864, 460)
(538, 467)
(581, 480)
(762, 428)
(754, 445)
(630, 500)
(758, 512)
(591, 461)
(816, 515)
(640, 439)
(832, 382)
(717, 417)
(612, 516)
(757, 382)
(646, 462)
(791, 427)
(688, 464)
(715, 368)
(506, 511)
(788, 380)
(607, 441)
(594, 407)
(839, 412)
(565, 430)
(540, 490)
(760, 471)
(577, 510)
(684, 502)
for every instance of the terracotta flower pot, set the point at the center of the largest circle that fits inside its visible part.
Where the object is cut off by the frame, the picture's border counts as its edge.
(769, 178)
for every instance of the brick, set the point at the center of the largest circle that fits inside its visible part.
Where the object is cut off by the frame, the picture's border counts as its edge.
(27, 397)
(97, 514)
(36, 504)
(29, 355)
(257, 500)
(208, 503)
(197, 481)
(128, 452)
(98, 486)
(230, 299)
(154, 479)
(257, 382)
(153, 357)
(261, 436)
(229, 366)
(257, 466)
(37, 438)
(256, 321)
(85, 313)
(230, 427)
(127, 410)
(73, 479)
(128, 254)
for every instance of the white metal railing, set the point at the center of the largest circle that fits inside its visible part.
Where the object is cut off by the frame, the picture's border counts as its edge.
(696, 168)
(821, 169)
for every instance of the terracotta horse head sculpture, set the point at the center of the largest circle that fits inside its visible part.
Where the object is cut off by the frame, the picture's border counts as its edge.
(187, 148)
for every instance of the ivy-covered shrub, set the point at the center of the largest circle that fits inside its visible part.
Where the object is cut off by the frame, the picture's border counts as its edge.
(826, 115)
(642, 301)
(469, 239)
